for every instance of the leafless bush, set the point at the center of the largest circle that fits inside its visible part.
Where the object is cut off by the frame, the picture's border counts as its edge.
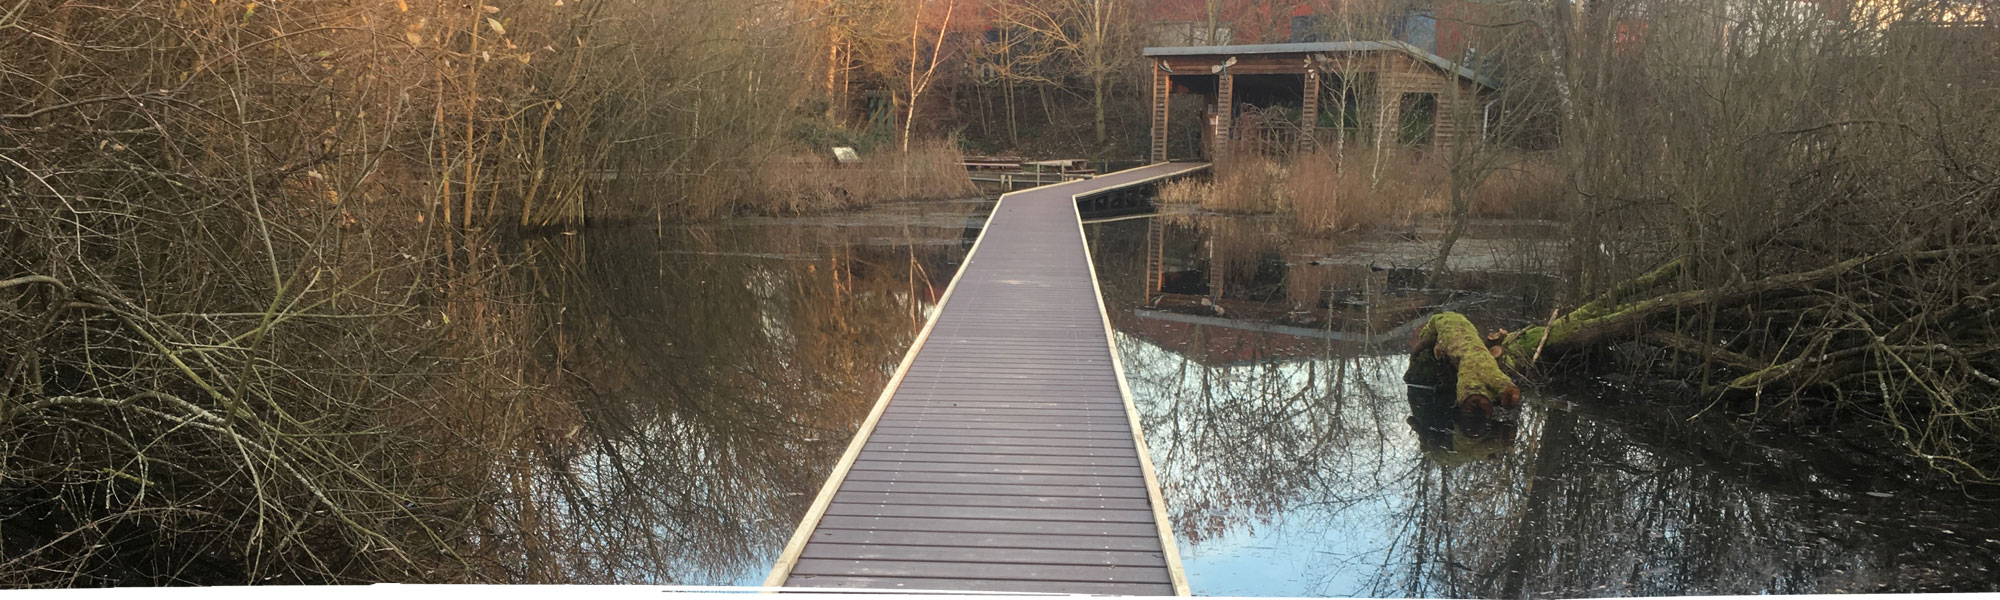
(1821, 185)
(249, 323)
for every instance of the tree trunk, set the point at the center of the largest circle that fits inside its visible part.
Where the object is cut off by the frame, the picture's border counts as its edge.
(832, 77)
(1456, 229)
(1048, 108)
(909, 116)
(1612, 317)
(1013, 130)
(1097, 101)
(1214, 8)
(1529, 547)
(1481, 386)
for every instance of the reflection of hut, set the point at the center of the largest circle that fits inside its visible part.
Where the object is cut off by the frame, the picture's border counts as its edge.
(1236, 278)
(1219, 342)
(1381, 91)
(1222, 299)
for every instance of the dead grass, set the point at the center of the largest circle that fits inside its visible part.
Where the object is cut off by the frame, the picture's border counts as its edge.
(1326, 193)
(1184, 192)
(1250, 184)
(805, 182)
(1530, 189)
(1332, 193)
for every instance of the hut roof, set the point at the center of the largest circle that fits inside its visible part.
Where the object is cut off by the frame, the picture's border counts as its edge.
(1307, 48)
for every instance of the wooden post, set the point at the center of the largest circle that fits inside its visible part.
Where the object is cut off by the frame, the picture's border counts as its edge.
(1454, 99)
(1215, 281)
(1225, 109)
(1162, 89)
(1309, 112)
(1156, 242)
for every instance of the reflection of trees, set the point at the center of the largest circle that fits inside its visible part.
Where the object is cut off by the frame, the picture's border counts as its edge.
(1236, 444)
(1657, 506)
(1580, 508)
(1607, 506)
(1241, 427)
(693, 394)
(1614, 501)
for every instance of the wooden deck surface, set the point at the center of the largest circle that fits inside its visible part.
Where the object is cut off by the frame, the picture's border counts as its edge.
(1005, 455)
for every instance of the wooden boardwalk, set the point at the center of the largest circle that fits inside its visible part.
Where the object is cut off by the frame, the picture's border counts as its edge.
(1005, 454)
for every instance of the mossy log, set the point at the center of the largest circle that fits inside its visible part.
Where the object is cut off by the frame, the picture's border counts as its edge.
(1481, 385)
(1623, 312)
(1632, 310)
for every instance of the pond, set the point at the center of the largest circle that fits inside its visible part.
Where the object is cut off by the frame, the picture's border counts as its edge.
(722, 369)
(717, 373)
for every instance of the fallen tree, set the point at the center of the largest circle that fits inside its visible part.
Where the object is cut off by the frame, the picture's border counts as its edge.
(1479, 385)
(1907, 337)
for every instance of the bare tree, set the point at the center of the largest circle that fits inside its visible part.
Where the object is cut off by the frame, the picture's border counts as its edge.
(1086, 39)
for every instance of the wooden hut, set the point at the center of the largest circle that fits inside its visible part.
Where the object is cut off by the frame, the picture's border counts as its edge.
(1386, 92)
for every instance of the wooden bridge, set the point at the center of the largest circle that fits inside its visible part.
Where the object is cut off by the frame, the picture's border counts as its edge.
(1005, 454)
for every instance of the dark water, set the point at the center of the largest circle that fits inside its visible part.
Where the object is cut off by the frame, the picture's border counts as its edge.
(720, 370)
(1296, 461)
(712, 376)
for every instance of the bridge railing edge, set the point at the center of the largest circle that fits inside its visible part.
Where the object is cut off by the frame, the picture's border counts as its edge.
(1170, 550)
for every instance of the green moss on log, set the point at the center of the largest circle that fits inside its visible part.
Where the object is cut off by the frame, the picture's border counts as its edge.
(1519, 349)
(1481, 384)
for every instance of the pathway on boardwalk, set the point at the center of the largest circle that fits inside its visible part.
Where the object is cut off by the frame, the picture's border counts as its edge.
(1005, 454)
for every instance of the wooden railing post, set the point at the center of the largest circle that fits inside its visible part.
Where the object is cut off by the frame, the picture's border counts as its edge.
(1162, 89)
(1309, 111)
(1225, 111)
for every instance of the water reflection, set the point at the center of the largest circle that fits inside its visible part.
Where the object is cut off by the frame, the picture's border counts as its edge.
(1448, 436)
(696, 384)
(1297, 461)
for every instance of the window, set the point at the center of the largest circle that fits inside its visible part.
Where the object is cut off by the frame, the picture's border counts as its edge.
(1419, 118)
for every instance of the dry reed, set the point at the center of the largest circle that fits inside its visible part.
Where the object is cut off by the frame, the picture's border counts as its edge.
(1530, 189)
(806, 182)
(1322, 191)
(1334, 193)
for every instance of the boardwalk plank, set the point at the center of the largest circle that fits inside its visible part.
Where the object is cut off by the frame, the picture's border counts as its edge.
(954, 570)
(997, 395)
(1078, 515)
(1000, 440)
(987, 540)
(957, 427)
(1005, 459)
(865, 472)
(1015, 469)
(998, 449)
(1054, 410)
(985, 585)
(986, 526)
(1080, 420)
(1025, 437)
(987, 555)
(1013, 404)
(992, 501)
(990, 489)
